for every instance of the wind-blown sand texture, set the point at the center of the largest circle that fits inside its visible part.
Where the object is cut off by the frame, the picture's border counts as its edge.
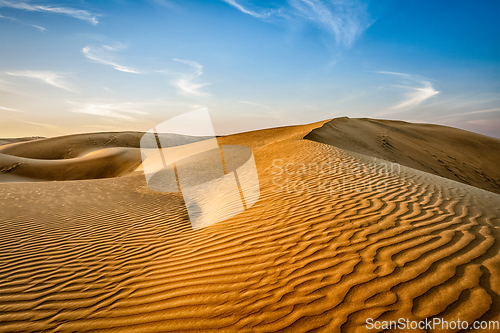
(112, 255)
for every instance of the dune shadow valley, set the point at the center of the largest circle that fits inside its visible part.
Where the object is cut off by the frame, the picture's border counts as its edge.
(359, 224)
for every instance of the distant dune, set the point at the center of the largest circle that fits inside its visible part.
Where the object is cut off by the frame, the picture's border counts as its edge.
(449, 152)
(75, 157)
(4, 141)
(320, 251)
(80, 156)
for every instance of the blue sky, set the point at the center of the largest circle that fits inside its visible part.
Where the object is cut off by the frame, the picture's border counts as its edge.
(84, 66)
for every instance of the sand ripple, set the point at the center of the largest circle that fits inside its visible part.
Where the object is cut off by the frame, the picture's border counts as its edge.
(112, 255)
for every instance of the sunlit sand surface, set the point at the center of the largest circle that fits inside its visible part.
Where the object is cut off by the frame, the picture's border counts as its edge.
(106, 253)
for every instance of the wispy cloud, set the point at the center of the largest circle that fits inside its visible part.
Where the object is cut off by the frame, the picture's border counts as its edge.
(418, 90)
(468, 101)
(187, 82)
(456, 115)
(113, 110)
(76, 13)
(41, 125)
(263, 15)
(344, 20)
(494, 110)
(42, 29)
(417, 96)
(8, 109)
(51, 78)
(102, 55)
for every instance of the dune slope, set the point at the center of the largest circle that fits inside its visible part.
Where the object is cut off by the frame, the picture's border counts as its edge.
(76, 157)
(70, 146)
(79, 156)
(321, 251)
(456, 154)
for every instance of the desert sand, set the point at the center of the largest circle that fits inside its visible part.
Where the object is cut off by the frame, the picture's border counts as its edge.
(448, 152)
(103, 252)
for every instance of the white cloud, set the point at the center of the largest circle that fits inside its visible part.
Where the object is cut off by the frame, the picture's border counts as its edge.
(101, 54)
(408, 76)
(479, 111)
(187, 82)
(40, 124)
(417, 96)
(456, 115)
(420, 91)
(8, 109)
(345, 20)
(76, 13)
(52, 78)
(246, 11)
(113, 110)
(42, 29)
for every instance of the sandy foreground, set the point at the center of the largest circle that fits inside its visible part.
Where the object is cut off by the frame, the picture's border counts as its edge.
(336, 237)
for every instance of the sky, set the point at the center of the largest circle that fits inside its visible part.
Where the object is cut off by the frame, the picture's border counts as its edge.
(91, 66)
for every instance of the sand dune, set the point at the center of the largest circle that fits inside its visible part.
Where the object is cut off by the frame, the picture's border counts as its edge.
(5, 141)
(70, 146)
(105, 163)
(76, 157)
(111, 255)
(80, 156)
(449, 152)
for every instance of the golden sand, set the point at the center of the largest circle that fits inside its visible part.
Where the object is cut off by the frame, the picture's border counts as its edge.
(110, 254)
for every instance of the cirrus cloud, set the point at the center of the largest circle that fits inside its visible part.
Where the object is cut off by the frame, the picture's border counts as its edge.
(344, 20)
(103, 55)
(8, 109)
(47, 77)
(76, 13)
(187, 83)
(13, 19)
(418, 90)
(112, 110)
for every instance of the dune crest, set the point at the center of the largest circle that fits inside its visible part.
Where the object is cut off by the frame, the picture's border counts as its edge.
(449, 152)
